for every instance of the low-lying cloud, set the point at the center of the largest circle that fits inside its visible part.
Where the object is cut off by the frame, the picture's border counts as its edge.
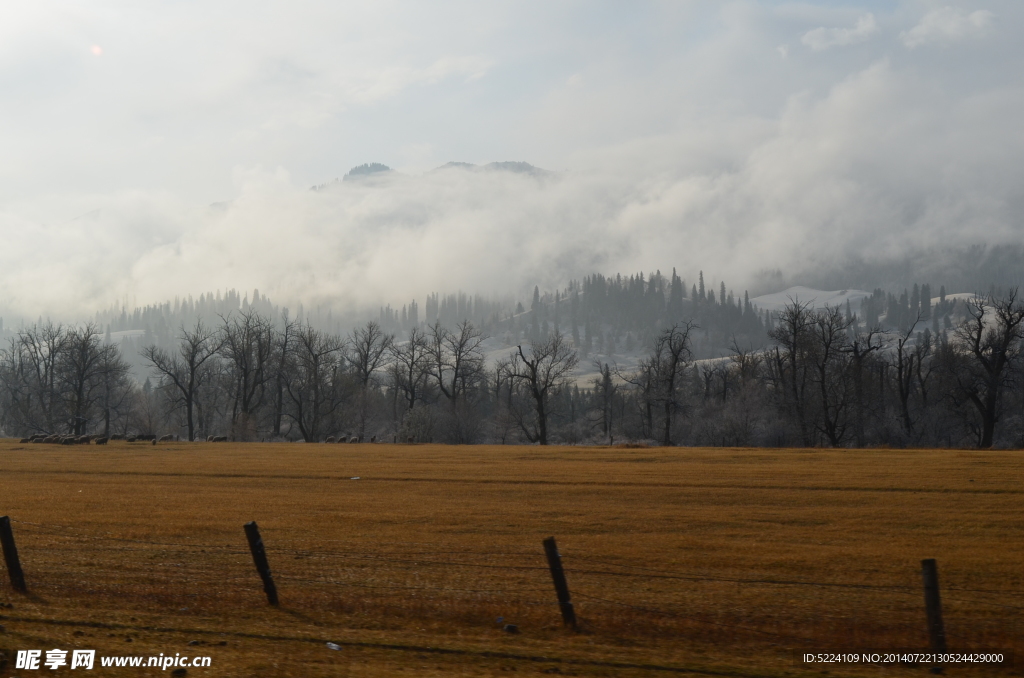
(727, 155)
(866, 171)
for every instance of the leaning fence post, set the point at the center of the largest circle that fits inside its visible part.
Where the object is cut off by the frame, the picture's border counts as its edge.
(933, 607)
(11, 555)
(561, 586)
(259, 557)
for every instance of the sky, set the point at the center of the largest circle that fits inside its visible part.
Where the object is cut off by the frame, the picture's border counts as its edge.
(158, 149)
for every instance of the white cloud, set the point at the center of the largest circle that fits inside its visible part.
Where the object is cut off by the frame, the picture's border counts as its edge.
(710, 152)
(946, 25)
(879, 164)
(822, 38)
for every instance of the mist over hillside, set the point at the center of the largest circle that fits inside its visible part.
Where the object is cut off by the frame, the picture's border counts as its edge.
(495, 229)
(971, 268)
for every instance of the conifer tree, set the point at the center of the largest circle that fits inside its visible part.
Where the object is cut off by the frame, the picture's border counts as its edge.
(558, 300)
(675, 297)
(534, 314)
(574, 306)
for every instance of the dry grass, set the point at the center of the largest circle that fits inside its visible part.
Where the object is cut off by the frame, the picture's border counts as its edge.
(711, 559)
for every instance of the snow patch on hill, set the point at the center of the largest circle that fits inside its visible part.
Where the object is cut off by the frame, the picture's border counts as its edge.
(961, 296)
(806, 295)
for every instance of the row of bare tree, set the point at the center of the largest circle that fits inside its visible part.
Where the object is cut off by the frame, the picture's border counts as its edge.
(57, 378)
(841, 386)
(252, 378)
(825, 380)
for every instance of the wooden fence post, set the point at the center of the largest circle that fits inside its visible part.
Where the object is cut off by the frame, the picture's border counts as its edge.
(259, 557)
(933, 607)
(561, 586)
(11, 555)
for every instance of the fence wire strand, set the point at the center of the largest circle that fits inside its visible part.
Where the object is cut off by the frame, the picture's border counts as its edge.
(358, 560)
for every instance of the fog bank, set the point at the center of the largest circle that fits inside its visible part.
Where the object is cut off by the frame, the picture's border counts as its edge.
(765, 144)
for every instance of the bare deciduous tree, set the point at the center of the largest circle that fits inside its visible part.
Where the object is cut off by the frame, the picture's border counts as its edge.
(314, 381)
(456, 359)
(187, 371)
(116, 388)
(409, 366)
(31, 379)
(790, 364)
(673, 358)
(369, 352)
(904, 361)
(991, 337)
(549, 365)
(604, 387)
(829, 357)
(247, 344)
(861, 348)
(283, 345)
(84, 363)
(644, 384)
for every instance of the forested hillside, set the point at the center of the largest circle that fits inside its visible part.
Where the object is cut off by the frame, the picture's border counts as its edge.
(642, 357)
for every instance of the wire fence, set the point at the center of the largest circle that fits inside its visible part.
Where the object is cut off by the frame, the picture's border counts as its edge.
(436, 579)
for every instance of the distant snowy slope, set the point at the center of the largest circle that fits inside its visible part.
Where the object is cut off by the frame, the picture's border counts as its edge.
(806, 295)
(960, 296)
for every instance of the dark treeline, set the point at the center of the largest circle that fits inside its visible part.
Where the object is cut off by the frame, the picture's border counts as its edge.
(608, 315)
(972, 267)
(707, 368)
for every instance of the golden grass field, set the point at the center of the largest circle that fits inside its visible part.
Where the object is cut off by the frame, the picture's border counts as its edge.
(703, 561)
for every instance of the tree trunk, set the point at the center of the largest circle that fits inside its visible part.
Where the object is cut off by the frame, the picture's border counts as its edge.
(278, 408)
(542, 421)
(667, 438)
(988, 417)
(188, 415)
